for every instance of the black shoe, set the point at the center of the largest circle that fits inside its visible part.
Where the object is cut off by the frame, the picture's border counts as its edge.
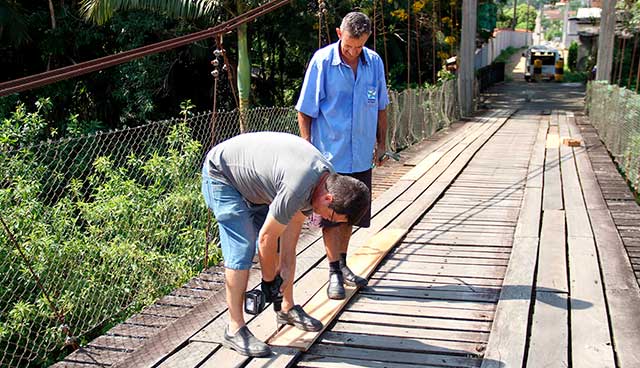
(296, 316)
(245, 343)
(351, 279)
(335, 290)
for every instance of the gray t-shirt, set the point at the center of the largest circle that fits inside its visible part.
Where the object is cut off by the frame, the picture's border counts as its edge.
(276, 169)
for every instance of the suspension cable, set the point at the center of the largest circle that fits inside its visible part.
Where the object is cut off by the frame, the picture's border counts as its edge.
(56, 75)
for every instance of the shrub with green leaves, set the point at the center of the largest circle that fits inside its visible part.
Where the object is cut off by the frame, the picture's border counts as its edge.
(572, 61)
(113, 242)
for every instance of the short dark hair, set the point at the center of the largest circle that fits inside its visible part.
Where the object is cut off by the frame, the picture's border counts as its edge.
(350, 197)
(356, 24)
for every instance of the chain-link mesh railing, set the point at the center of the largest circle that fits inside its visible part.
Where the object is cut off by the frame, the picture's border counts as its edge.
(615, 112)
(97, 227)
(415, 114)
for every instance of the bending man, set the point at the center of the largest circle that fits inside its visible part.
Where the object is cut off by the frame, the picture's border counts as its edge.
(261, 187)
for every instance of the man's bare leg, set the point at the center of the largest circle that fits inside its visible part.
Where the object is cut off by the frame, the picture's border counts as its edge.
(236, 284)
(237, 336)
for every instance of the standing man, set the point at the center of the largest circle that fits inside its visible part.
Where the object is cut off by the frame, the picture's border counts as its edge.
(261, 187)
(342, 111)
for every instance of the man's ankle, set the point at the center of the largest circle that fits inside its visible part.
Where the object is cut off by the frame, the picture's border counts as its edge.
(233, 327)
(335, 267)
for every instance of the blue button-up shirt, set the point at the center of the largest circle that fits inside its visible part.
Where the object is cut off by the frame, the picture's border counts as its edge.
(344, 109)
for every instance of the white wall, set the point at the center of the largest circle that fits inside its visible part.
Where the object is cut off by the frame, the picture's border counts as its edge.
(501, 40)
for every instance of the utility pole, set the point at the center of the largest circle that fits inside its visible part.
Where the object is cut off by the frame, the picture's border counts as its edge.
(606, 40)
(565, 25)
(467, 56)
(514, 21)
(526, 28)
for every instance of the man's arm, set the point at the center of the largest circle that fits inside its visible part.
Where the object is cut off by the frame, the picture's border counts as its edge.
(381, 137)
(268, 246)
(304, 123)
(288, 243)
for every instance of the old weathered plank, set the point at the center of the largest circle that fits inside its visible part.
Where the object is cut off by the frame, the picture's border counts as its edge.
(395, 357)
(590, 341)
(549, 341)
(190, 356)
(552, 266)
(476, 337)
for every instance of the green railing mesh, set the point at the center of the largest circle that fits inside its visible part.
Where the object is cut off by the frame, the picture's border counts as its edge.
(615, 112)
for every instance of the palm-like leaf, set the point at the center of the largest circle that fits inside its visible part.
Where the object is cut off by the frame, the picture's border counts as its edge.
(100, 11)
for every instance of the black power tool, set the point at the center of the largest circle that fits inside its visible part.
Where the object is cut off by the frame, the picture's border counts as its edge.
(255, 300)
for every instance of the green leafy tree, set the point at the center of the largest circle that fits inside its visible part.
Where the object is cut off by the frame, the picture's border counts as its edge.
(525, 17)
(101, 11)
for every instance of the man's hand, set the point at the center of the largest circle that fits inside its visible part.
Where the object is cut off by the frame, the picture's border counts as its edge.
(379, 156)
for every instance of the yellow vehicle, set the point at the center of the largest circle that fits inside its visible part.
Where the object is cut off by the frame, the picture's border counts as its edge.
(547, 55)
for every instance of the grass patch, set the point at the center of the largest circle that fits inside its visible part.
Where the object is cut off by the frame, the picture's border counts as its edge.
(506, 54)
(573, 77)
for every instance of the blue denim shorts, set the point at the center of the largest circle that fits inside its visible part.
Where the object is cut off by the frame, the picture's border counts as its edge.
(238, 222)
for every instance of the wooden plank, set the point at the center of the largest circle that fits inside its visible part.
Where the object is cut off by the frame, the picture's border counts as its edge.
(431, 279)
(549, 341)
(529, 220)
(190, 356)
(590, 341)
(437, 286)
(92, 356)
(318, 361)
(432, 159)
(431, 259)
(124, 343)
(412, 246)
(394, 357)
(437, 140)
(363, 262)
(536, 161)
(506, 346)
(394, 304)
(377, 319)
(224, 358)
(443, 269)
(453, 254)
(459, 293)
(281, 357)
(474, 337)
(411, 344)
(552, 198)
(620, 285)
(552, 265)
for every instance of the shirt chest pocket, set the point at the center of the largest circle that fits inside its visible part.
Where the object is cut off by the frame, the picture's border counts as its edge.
(372, 95)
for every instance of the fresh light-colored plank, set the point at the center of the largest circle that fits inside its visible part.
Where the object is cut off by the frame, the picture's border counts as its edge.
(363, 262)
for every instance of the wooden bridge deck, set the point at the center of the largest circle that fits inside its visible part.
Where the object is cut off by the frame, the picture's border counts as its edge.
(518, 251)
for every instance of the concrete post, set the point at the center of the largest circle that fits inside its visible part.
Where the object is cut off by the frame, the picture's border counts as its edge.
(466, 56)
(606, 39)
